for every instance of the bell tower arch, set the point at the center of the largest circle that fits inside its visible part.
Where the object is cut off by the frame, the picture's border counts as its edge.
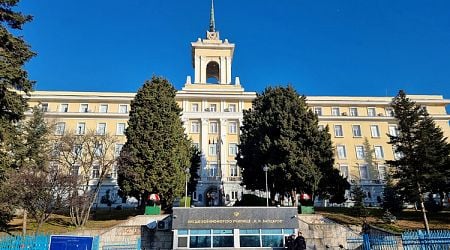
(212, 57)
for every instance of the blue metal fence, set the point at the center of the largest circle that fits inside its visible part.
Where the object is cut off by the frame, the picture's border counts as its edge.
(410, 240)
(35, 242)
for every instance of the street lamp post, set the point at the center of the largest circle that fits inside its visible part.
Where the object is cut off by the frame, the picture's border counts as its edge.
(186, 194)
(265, 168)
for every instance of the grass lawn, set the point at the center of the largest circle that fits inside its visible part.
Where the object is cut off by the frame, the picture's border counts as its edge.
(406, 220)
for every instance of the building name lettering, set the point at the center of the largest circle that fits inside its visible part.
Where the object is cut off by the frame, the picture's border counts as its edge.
(234, 221)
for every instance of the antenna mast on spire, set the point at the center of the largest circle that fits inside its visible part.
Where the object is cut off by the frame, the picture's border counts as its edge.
(212, 22)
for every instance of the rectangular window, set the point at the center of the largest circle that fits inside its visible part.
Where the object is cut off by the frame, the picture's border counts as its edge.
(101, 128)
(356, 129)
(195, 127)
(223, 238)
(212, 170)
(123, 108)
(98, 150)
(341, 153)
(393, 130)
(232, 127)
(338, 131)
(379, 152)
(318, 111)
(84, 108)
(233, 170)
(60, 127)
(364, 172)
(321, 127)
(95, 171)
(213, 108)
(117, 149)
(374, 131)
(231, 107)
(103, 108)
(389, 112)
(232, 149)
(234, 195)
(64, 108)
(335, 111)
(397, 155)
(382, 172)
(77, 150)
(371, 112)
(344, 170)
(120, 128)
(212, 149)
(44, 107)
(360, 154)
(81, 128)
(213, 127)
(353, 111)
(194, 107)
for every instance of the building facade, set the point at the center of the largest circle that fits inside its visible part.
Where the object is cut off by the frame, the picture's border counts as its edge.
(213, 105)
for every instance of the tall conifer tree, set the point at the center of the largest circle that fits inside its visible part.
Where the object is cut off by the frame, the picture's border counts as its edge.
(423, 149)
(281, 133)
(157, 152)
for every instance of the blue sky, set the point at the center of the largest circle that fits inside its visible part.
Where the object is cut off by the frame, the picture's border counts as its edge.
(329, 47)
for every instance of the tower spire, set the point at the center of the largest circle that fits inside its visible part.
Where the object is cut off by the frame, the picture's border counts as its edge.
(212, 22)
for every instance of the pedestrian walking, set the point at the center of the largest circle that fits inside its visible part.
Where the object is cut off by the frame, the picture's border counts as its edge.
(300, 242)
(290, 242)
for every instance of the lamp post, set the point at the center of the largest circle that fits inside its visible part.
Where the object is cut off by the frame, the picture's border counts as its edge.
(265, 169)
(185, 197)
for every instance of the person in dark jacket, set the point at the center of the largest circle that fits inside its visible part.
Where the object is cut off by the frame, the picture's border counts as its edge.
(290, 242)
(300, 242)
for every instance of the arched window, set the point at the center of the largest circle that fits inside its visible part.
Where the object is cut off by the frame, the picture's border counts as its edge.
(212, 72)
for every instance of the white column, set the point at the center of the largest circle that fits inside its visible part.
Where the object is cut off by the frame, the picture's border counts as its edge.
(197, 69)
(204, 143)
(223, 147)
(202, 69)
(222, 106)
(228, 63)
(223, 75)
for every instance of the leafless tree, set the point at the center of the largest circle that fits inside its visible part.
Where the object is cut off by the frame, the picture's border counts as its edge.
(89, 158)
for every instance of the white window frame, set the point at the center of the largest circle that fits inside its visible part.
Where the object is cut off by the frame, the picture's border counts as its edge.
(195, 127)
(393, 130)
(378, 152)
(212, 170)
(212, 149)
(64, 108)
(389, 111)
(212, 107)
(367, 174)
(101, 128)
(231, 107)
(81, 128)
(318, 111)
(374, 131)
(232, 127)
(117, 148)
(44, 107)
(357, 130)
(360, 152)
(232, 149)
(321, 127)
(60, 128)
(194, 107)
(123, 109)
(103, 108)
(338, 132)
(120, 129)
(343, 169)
(382, 172)
(234, 170)
(84, 107)
(95, 171)
(341, 152)
(353, 111)
(335, 111)
(369, 111)
(213, 127)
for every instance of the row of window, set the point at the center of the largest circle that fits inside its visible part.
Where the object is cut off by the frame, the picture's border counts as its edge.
(353, 111)
(212, 170)
(84, 108)
(220, 238)
(341, 152)
(357, 132)
(364, 173)
(214, 127)
(195, 107)
(95, 173)
(81, 128)
(214, 148)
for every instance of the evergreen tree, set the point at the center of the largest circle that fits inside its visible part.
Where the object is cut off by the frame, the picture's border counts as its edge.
(157, 152)
(14, 53)
(282, 134)
(423, 149)
(193, 169)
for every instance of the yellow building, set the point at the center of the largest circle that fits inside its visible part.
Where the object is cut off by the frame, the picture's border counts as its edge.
(213, 105)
